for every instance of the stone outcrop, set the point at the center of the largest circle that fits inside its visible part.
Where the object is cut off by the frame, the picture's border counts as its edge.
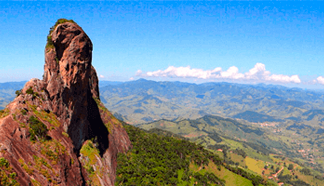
(57, 131)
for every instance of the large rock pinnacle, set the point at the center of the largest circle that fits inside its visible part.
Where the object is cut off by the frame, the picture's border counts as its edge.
(67, 73)
(80, 136)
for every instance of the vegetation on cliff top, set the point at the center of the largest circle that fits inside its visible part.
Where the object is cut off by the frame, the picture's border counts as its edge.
(50, 43)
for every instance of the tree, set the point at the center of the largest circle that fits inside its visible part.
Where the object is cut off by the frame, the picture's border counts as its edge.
(306, 171)
(18, 92)
(290, 167)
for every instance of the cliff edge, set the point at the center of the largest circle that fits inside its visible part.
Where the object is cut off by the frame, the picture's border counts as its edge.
(56, 131)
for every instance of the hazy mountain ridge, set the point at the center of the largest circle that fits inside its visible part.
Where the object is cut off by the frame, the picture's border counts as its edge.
(189, 100)
(7, 92)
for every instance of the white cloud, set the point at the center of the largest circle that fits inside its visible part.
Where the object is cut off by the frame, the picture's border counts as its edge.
(138, 73)
(131, 78)
(231, 73)
(320, 80)
(258, 74)
(184, 72)
(284, 78)
(101, 76)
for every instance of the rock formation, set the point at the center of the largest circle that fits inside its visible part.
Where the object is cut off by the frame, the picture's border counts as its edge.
(56, 131)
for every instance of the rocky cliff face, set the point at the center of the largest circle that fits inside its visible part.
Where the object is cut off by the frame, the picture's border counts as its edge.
(56, 131)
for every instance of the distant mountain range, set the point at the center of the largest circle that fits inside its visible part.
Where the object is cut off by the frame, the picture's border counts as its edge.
(7, 92)
(146, 101)
(143, 101)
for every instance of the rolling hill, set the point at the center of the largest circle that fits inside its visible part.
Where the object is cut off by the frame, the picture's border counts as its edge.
(301, 143)
(161, 157)
(144, 101)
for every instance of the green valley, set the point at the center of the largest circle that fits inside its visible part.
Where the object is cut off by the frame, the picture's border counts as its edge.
(157, 159)
(253, 148)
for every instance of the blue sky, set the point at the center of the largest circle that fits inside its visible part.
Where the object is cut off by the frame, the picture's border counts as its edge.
(244, 42)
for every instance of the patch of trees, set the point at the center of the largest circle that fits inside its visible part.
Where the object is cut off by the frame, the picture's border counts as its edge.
(284, 178)
(215, 137)
(255, 117)
(287, 180)
(161, 160)
(298, 183)
(240, 152)
(300, 127)
(218, 146)
(290, 167)
(319, 177)
(277, 169)
(166, 133)
(258, 148)
(306, 171)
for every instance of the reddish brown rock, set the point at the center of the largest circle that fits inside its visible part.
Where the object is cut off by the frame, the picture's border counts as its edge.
(82, 138)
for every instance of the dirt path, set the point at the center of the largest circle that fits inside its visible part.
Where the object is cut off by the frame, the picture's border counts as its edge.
(275, 175)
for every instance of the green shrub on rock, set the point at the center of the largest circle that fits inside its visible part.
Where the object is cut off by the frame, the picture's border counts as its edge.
(7, 175)
(18, 92)
(37, 129)
(50, 44)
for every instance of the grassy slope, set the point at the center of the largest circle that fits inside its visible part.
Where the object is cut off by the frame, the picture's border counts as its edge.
(230, 177)
(255, 161)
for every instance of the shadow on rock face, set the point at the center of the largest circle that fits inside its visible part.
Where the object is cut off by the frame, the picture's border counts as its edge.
(88, 126)
(97, 129)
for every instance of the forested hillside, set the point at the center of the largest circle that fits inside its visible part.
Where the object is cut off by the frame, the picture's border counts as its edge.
(156, 159)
